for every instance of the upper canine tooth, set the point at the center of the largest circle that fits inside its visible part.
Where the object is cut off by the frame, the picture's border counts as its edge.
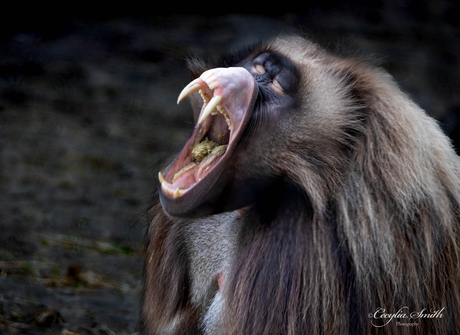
(192, 87)
(209, 107)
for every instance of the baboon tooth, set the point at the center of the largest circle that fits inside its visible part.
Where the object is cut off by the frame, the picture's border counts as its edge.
(192, 87)
(210, 79)
(160, 177)
(208, 76)
(165, 187)
(210, 106)
(177, 193)
(213, 84)
(204, 96)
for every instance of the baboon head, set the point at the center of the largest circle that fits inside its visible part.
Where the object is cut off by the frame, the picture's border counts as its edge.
(266, 115)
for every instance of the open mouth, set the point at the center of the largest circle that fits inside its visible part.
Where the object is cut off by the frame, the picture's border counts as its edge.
(228, 94)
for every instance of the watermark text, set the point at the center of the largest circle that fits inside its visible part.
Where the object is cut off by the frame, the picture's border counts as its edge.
(403, 317)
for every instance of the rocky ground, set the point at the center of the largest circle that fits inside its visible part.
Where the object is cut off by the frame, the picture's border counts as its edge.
(87, 114)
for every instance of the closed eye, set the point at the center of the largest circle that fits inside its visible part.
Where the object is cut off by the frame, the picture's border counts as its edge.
(277, 86)
(258, 69)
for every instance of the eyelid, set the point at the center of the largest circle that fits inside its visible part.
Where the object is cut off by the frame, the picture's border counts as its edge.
(258, 68)
(277, 86)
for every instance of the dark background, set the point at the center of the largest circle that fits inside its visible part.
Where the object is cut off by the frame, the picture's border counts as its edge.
(87, 114)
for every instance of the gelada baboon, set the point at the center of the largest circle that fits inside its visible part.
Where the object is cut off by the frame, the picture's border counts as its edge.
(313, 197)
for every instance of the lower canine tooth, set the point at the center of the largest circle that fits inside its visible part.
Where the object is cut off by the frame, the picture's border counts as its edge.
(177, 193)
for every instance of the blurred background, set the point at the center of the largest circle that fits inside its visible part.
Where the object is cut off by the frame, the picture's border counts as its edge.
(88, 112)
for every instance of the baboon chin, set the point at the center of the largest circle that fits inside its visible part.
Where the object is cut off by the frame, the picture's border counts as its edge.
(313, 197)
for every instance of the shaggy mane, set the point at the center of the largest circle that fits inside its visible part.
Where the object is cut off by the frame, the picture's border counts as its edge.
(364, 217)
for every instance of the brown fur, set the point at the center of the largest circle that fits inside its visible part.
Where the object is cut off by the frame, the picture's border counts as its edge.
(364, 214)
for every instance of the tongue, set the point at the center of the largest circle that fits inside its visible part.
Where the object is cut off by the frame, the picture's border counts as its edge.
(219, 131)
(185, 180)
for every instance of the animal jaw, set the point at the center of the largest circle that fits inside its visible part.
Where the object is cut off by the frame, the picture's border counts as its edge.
(228, 95)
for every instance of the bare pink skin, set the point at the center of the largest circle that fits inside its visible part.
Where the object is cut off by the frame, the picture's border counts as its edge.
(236, 86)
(221, 280)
